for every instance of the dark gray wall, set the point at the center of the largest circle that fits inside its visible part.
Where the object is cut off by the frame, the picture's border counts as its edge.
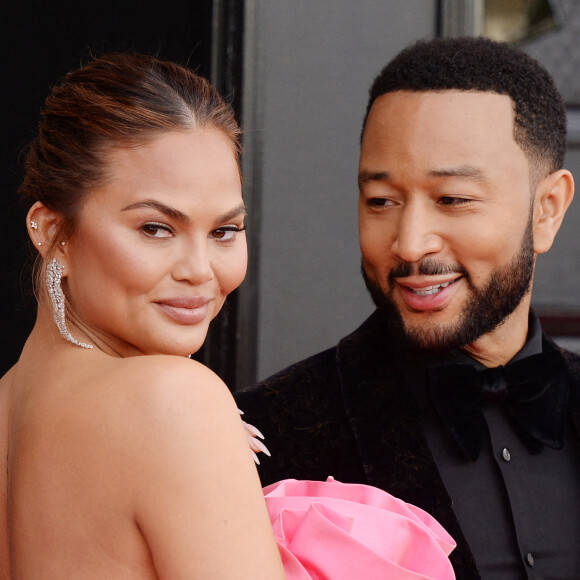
(309, 66)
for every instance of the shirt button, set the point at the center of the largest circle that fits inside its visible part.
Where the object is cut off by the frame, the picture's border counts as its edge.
(529, 559)
(505, 453)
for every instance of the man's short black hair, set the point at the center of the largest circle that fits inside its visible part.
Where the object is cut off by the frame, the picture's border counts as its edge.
(480, 64)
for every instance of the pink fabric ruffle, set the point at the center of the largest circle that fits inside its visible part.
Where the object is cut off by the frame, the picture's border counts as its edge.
(327, 530)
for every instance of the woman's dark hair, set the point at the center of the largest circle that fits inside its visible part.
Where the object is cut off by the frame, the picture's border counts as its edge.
(480, 64)
(117, 100)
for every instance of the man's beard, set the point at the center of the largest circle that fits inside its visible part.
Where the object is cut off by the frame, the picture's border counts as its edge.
(485, 309)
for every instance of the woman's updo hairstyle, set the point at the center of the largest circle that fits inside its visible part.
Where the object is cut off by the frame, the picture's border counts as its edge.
(118, 100)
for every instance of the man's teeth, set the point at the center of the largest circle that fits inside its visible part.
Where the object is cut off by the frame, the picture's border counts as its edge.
(430, 289)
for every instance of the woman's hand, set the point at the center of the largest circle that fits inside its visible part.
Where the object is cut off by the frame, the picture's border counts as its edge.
(254, 436)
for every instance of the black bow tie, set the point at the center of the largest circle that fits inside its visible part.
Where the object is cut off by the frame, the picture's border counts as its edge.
(534, 392)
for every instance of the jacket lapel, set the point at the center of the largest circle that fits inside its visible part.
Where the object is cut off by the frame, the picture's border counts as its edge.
(383, 416)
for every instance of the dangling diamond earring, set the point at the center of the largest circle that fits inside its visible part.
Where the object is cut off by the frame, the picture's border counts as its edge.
(53, 278)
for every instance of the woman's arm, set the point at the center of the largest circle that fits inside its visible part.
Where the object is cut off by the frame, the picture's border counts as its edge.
(197, 495)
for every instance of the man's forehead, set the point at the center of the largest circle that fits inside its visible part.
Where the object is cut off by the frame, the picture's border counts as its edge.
(436, 114)
(440, 98)
(463, 134)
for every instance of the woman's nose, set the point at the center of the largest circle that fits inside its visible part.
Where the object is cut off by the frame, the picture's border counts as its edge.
(194, 263)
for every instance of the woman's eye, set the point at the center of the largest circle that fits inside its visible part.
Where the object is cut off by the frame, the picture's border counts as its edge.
(226, 233)
(155, 230)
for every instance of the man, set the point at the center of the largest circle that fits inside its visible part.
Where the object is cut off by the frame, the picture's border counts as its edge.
(449, 396)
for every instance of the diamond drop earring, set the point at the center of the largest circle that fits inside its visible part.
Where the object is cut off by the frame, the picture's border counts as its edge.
(53, 279)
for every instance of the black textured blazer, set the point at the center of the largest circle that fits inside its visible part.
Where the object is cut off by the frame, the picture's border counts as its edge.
(347, 412)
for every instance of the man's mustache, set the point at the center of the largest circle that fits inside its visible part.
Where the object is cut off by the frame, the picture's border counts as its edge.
(427, 267)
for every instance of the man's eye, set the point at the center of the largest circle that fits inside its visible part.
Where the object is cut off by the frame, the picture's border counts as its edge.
(380, 202)
(447, 200)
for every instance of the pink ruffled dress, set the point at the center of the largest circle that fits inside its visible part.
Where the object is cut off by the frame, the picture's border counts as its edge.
(327, 530)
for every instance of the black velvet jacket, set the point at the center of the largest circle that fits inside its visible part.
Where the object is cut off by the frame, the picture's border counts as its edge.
(347, 412)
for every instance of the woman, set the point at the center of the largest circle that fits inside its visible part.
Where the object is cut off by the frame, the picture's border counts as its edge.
(121, 465)
(115, 464)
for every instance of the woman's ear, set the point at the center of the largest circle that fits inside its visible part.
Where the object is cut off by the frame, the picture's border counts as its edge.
(553, 196)
(43, 225)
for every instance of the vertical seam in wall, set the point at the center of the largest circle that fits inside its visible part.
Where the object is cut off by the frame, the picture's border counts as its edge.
(252, 124)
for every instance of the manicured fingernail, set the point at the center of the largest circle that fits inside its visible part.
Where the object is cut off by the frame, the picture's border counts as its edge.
(255, 457)
(254, 430)
(262, 447)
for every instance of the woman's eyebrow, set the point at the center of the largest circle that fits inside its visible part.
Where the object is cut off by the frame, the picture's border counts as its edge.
(161, 207)
(180, 216)
(233, 213)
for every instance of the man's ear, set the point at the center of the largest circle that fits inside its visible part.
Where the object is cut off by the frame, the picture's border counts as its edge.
(554, 194)
(43, 225)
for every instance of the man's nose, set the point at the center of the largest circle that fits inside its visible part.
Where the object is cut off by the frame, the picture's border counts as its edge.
(417, 234)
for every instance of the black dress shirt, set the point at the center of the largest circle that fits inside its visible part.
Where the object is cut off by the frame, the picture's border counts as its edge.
(520, 512)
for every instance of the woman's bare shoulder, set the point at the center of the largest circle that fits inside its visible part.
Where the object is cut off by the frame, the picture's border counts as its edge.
(158, 389)
(152, 383)
(126, 402)
(148, 420)
(197, 485)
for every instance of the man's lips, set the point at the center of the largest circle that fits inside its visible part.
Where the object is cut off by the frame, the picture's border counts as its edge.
(430, 290)
(426, 294)
(185, 310)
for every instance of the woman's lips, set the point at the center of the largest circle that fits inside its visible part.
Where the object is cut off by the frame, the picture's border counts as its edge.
(427, 296)
(185, 310)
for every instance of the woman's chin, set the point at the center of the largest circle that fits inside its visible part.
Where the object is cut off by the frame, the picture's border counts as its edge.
(183, 349)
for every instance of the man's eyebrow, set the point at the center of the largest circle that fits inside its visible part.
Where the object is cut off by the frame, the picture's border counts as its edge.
(161, 207)
(462, 171)
(366, 176)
